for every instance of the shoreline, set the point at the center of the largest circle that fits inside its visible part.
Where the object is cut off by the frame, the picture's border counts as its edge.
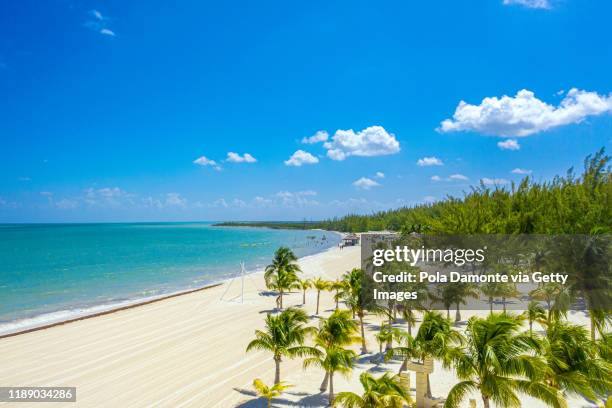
(105, 309)
(189, 350)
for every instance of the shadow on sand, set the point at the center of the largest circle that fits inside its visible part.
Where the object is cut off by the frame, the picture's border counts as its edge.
(306, 400)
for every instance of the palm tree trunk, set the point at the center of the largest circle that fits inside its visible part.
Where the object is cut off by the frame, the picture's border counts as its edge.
(457, 314)
(304, 297)
(530, 328)
(390, 341)
(337, 299)
(592, 326)
(485, 401)
(331, 388)
(269, 402)
(409, 329)
(404, 365)
(448, 313)
(504, 303)
(490, 306)
(318, 294)
(281, 299)
(323, 386)
(277, 361)
(364, 348)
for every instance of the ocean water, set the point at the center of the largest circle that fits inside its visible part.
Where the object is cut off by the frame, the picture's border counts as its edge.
(52, 272)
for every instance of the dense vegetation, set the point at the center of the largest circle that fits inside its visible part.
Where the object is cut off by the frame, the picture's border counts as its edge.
(567, 204)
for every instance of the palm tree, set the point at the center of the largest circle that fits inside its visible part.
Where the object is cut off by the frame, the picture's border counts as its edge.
(434, 338)
(353, 297)
(498, 361)
(338, 286)
(575, 365)
(284, 336)
(304, 284)
(384, 391)
(463, 291)
(319, 284)
(548, 292)
(333, 360)
(269, 392)
(281, 274)
(338, 330)
(534, 312)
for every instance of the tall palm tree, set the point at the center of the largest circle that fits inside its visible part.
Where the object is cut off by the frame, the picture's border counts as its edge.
(339, 287)
(498, 361)
(384, 391)
(575, 365)
(353, 297)
(319, 284)
(461, 293)
(304, 285)
(281, 274)
(548, 292)
(333, 360)
(268, 392)
(284, 336)
(534, 312)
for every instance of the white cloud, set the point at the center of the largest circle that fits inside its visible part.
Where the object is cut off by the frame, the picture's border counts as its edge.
(97, 15)
(457, 177)
(301, 157)
(175, 199)
(371, 141)
(296, 199)
(436, 178)
(365, 183)
(320, 136)
(429, 199)
(536, 4)
(509, 144)
(379, 174)
(521, 171)
(106, 31)
(24, 178)
(236, 158)
(493, 182)
(204, 161)
(46, 193)
(524, 114)
(66, 204)
(429, 161)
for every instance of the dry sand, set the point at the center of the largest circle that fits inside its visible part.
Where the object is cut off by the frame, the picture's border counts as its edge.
(189, 351)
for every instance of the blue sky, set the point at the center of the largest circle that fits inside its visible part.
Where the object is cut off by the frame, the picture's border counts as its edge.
(116, 110)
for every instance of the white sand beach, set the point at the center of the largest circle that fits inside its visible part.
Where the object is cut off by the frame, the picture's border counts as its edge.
(189, 350)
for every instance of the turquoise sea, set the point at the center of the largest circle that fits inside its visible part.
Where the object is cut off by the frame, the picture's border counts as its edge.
(52, 272)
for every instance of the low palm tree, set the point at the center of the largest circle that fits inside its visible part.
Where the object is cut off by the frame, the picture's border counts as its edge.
(574, 361)
(384, 391)
(333, 360)
(499, 361)
(284, 336)
(338, 330)
(319, 284)
(304, 285)
(268, 392)
(433, 340)
(281, 274)
(535, 312)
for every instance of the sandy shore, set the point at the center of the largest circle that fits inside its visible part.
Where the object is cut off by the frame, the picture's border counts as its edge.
(189, 350)
(183, 351)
